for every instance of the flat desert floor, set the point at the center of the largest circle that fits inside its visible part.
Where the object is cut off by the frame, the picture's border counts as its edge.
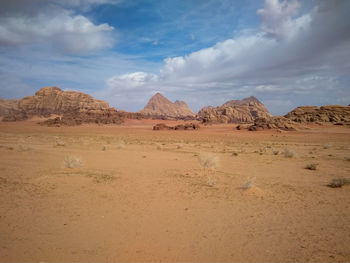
(134, 194)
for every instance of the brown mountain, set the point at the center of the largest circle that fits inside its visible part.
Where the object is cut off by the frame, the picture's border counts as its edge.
(159, 105)
(235, 111)
(6, 106)
(330, 113)
(76, 107)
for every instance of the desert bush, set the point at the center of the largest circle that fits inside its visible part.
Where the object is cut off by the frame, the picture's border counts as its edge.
(347, 158)
(249, 183)
(234, 153)
(338, 182)
(159, 146)
(72, 162)
(326, 146)
(121, 144)
(208, 162)
(275, 152)
(288, 153)
(311, 166)
(179, 146)
(60, 143)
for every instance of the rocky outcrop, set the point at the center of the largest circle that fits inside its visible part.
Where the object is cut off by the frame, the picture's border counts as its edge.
(187, 126)
(75, 108)
(234, 111)
(332, 113)
(276, 122)
(6, 106)
(159, 105)
(52, 100)
(105, 116)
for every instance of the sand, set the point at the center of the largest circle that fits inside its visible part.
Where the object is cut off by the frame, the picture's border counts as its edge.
(141, 195)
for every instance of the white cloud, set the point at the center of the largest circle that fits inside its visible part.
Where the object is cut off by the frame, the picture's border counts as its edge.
(291, 56)
(59, 28)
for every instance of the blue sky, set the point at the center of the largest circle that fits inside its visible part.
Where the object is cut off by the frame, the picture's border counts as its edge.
(287, 53)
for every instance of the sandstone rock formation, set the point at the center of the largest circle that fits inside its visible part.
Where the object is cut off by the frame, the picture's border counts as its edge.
(234, 111)
(331, 113)
(6, 106)
(159, 105)
(276, 122)
(187, 126)
(76, 107)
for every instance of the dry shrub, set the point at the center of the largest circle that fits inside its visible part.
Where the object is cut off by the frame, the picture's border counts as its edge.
(288, 153)
(249, 183)
(121, 144)
(275, 152)
(208, 162)
(60, 142)
(311, 166)
(338, 182)
(72, 162)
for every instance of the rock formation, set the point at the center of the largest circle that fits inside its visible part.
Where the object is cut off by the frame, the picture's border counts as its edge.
(6, 106)
(159, 105)
(187, 126)
(332, 113)
(234, 111)
(76, 107)
(276, 122)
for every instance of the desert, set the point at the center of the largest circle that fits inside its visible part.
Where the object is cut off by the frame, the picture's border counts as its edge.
(128, 193)
(174, 131)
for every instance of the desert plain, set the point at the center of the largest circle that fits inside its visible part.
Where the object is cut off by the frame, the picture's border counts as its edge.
(127, 193)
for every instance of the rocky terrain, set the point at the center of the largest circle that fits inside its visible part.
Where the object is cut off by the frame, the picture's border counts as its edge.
(75, 108)
(332, 113)
(235, 111)
(7, 105)
(159, 105)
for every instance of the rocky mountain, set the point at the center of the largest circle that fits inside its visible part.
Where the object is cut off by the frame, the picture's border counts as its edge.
(235, 111)
(159, 105)
(7, 105)
(71, 104)
(330, 113)
(336, 114)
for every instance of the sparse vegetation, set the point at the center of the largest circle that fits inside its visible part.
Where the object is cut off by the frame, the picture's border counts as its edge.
(72, 162)
(234, 153)
(311, 166)
(326, 146)
(208, 162)
(159, 146)
(121, 144)
(249, 183)
(288, 153)
(338, 182)
(60, 142)
(275, 152)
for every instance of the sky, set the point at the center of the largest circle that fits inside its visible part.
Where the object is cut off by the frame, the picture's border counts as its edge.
(287, 53)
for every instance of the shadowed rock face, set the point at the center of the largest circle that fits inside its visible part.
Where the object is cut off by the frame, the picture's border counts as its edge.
(235, 111)
(160, 106)
(331, 113)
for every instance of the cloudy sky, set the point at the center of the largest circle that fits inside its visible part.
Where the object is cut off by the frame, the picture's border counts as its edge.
(287, 53)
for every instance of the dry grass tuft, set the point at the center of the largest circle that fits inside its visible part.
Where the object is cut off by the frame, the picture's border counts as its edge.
(72, 162)
(60, 142)
(249, 183)
(208, 161)
(311, 166)
(338, 182)
(288, 153)
(121, 144)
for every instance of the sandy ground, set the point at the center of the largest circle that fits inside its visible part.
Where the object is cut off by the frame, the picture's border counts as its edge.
(141, 195)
